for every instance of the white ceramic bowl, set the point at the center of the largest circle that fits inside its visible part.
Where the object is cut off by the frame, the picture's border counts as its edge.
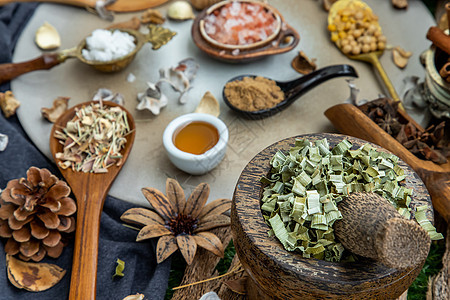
(192, 163)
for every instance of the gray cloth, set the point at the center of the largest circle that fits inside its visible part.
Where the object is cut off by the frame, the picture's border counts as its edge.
(142, 273)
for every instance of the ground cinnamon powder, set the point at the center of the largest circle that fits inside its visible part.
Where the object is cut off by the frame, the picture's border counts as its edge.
(252, 94)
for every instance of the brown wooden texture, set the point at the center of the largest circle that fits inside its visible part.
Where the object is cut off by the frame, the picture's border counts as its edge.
(90, 191)
(286, 275)
(119, 6)
(348, 119)
(275, 47)
(44, 62)
(372, 227)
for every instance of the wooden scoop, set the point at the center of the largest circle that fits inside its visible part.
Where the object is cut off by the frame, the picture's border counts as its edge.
(349, 119)
(369, 57)
(119, 6)
(90, 191)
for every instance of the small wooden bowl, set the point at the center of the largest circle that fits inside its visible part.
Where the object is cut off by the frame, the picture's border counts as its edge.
(280, 274)
(275, 44)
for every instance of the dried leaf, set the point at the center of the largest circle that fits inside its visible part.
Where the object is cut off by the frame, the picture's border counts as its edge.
(119, 269)
(238, 286)
(210, 242)
(152, 231)
(197, 200)
(8, 104)
(210, 222)
(166, 246)
(159, 202)
(60, 105)
(187, 246)
(215, 207)
(159, 36)
(175, 194)
(141, 216)
(34, 277)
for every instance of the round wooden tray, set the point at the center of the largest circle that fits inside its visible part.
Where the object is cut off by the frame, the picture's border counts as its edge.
(276, 46)
(280, 274)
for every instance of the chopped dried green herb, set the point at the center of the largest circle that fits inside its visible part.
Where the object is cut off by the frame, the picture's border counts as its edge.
(93, 139)
(119, 269)
(305, 184)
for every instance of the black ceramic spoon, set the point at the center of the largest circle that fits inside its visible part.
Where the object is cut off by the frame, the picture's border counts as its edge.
(294, 89)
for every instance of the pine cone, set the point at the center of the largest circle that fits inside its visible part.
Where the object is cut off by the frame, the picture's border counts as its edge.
(35, 214)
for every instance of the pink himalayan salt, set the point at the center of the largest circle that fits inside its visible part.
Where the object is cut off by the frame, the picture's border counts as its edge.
(239, 23)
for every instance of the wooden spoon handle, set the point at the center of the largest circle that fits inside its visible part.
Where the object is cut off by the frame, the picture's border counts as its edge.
(84, 267)
(44, 62)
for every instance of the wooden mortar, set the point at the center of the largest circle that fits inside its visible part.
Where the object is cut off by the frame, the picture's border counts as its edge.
(372, 227)
(279, 274)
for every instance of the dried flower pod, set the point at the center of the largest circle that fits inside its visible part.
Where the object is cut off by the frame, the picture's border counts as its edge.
(34, 277)
(180, 223)
(60, 105)
(36, 214)
(8, 103)
(152, 16)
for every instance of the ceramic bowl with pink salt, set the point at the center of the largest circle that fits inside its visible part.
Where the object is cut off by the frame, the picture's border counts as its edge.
(242, 24)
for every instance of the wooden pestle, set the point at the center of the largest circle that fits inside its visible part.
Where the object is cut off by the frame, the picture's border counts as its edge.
(371, 227)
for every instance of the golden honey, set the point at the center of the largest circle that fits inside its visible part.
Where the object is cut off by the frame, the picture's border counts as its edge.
(196, 137)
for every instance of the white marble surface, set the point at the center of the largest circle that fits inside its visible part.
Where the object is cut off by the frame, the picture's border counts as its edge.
(148, 164)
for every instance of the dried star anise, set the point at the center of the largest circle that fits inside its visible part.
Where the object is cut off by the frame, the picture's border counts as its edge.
(180, 224)
(430, 144)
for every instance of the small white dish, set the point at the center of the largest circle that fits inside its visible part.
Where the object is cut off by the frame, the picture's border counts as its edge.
(192, 163)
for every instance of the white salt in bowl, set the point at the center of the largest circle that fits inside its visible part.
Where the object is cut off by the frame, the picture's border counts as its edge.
(192, 163)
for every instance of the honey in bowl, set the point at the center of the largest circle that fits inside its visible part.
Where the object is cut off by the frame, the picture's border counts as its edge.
(196, 137)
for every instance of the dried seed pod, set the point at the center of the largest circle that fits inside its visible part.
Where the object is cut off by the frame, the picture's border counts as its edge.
(60, 105)
(34, 277)
(133, 23)
(152, 16)
(180, 10)
(302, 64)
(8, 103)
(400, 57)
(47, 37)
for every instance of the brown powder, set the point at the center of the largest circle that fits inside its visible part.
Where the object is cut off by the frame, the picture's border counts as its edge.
(252, 94)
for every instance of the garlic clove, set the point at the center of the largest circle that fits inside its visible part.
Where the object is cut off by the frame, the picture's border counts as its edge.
(47, 37)
(180, 10)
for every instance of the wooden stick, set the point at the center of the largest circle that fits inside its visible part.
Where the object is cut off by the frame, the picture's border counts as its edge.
(447, 8)
(372, 227)
(439, 38)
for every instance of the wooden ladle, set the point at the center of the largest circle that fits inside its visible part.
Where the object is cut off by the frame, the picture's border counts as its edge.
(90, 191)
(119, 6)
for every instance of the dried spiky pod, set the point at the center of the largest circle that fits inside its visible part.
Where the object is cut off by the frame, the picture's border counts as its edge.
(36, 214)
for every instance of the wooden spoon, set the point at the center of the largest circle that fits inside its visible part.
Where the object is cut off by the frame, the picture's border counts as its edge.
(90, 191)
(350, 120)
(119, 6)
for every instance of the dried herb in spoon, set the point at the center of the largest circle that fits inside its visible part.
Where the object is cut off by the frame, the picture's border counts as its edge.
(93, 139)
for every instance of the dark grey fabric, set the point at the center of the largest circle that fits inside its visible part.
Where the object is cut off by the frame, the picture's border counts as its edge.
(142, 273)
